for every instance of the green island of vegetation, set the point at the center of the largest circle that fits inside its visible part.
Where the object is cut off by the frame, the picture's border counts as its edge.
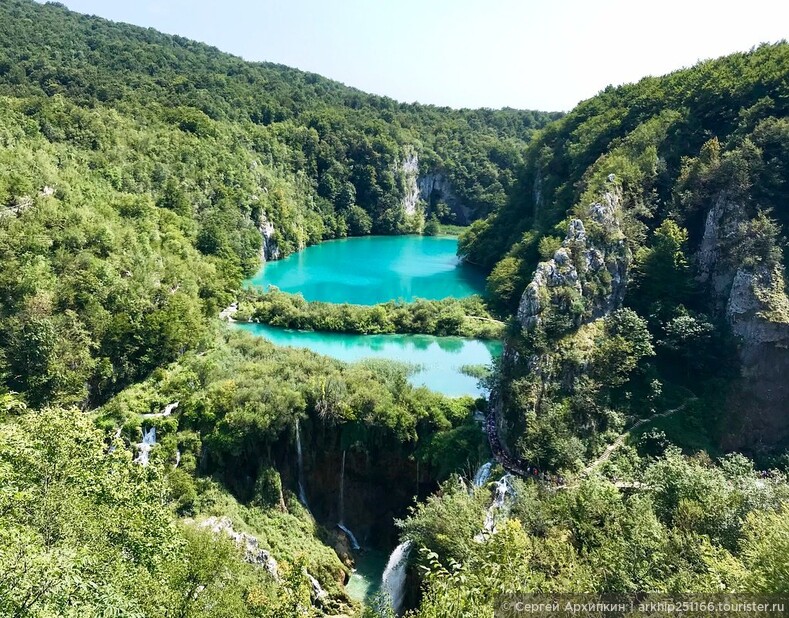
(464, 317)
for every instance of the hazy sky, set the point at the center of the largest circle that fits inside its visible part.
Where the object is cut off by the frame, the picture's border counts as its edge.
(537, 54)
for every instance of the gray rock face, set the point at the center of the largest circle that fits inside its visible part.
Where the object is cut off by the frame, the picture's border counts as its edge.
(410, 170)
(752, 301)
(269, 250)
(561, 272)
(253, 553)
(430, 187)
(435, 187)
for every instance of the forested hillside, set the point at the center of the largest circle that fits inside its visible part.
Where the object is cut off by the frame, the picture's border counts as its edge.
(658, 213)
(145, 175)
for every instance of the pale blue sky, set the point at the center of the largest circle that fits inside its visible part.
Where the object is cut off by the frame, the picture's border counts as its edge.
(537, 54)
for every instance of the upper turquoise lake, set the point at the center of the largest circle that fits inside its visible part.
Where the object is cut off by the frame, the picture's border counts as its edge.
(374, 269)
(377, 269)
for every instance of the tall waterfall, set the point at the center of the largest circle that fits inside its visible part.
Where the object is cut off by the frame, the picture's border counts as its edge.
(483, 474)
(300, 462)
(393, 580)
(341, 525)
(144, 447)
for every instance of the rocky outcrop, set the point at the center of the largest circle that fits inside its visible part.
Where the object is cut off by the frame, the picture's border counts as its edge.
(749, 296)
(269, 249)
(431, 187)
(410, 171)
(435, 187)
(253, 553)
(593, 269)
(378, 485)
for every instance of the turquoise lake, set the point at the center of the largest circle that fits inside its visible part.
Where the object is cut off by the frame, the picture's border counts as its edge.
(439, 358)
(376, 269)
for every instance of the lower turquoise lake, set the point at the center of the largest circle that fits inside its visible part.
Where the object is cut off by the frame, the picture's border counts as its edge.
(368, 270)
(377, 269)
(439, 358)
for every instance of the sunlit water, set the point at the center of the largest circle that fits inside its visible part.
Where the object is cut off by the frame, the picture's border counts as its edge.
(439, 358)
(376, 269)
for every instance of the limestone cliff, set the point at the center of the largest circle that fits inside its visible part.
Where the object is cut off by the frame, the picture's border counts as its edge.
(269, 250)
(748, 292)
(587, 275)
(568, 298)
(409, 168)
(435, 187)
(430, 186)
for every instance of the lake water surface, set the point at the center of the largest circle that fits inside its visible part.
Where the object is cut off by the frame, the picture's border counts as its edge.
(377, 269)
(374, 269)
(439, 358)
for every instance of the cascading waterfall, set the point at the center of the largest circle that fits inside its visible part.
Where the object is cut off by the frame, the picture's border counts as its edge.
(300, 462)
(148, 441)
(393, 580)
(167, 411)
(341, 525)
(483, 474)
(499, 502)
(351, 537)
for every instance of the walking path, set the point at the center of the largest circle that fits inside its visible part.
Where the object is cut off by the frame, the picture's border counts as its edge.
(524, 469)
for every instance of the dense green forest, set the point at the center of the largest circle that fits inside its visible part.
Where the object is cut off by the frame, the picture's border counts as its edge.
(658, 214)
(141, 171)
(155, 462)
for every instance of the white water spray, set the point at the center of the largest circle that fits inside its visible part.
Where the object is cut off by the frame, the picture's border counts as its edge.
(144, 447)
(503, 488)
(483, 474)
(167, 411)
(341, 525)
(351, 537)
(393, 580)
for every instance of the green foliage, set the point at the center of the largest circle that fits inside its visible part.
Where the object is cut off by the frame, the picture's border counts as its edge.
(84, 532)
(692, 526)
(661, 272)
(138, 170)
(642, 133)
(432, 227)
(467, 317)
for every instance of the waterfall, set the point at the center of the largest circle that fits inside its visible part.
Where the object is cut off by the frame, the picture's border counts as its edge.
(499, 499)
(177, 458)
(168, 410)
(148, 440)
(300, 461)
(341, 525)
(317, 590)
(393, 580)
(483, 474)
(117, 436)
(351, 537)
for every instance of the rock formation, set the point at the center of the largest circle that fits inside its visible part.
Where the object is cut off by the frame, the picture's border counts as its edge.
(749, 295)
(579, 265)
(253, 553)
